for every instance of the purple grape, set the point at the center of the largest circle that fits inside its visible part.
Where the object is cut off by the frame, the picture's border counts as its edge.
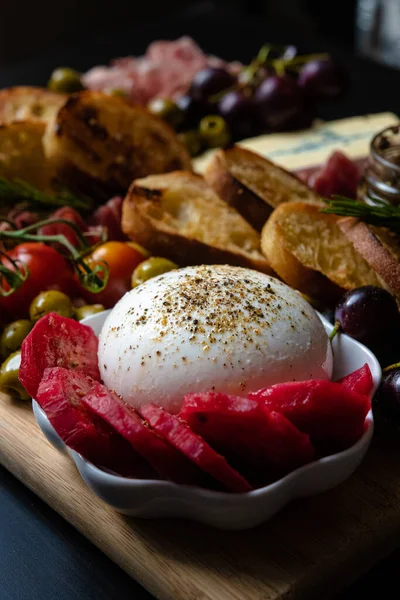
(253, 80)
(193, 110)
(388, 396)
(238, 111)
(210, 81)
(322, 80)
(278, 101)
(370, 315)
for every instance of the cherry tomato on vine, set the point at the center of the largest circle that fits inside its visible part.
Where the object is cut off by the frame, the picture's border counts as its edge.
(69, 214)
(48, 270)
(122, 259)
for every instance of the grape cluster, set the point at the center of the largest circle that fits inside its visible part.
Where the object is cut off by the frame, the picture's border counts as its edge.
(278, 91)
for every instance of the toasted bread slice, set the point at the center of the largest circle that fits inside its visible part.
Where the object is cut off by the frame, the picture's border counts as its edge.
(254, 185)
(22, 155)
(309, 252)
(179, 216)
(101, 140)
(26, 103)
(379, 246)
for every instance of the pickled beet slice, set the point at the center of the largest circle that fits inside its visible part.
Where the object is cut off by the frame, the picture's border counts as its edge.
(57, 342)
(359, 381)
(261, 444)
(165, 459)
(60, 395)
(331, 414)
(177, 433)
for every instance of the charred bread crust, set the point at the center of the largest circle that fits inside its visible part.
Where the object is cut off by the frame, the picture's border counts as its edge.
(292, 271)
(379, 246)
(162, 239)
(112, 142)
(22, 103)
(255, 199)
(236, 194)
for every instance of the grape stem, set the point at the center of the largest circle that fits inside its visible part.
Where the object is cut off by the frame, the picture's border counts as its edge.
(391, 367)
(335, 330)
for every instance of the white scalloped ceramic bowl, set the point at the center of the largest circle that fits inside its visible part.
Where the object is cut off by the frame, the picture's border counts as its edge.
(156, 498)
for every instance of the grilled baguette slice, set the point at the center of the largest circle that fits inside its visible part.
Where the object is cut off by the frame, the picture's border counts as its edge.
(254, 185)
(379, 246)
(310, 252)
(179, 216)
(22, 155)
(99, 140)
(26, 103)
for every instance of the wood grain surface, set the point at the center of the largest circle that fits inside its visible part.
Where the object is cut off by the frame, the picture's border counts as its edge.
(311, 549)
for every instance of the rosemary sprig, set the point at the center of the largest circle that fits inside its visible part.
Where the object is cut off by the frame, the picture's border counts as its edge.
(380, 213)
(19, 190)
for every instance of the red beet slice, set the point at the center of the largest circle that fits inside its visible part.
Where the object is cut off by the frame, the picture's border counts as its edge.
(261, 444)
(165, 459)
(359, 381)
(331, 414)
(57, 342)
(177, 433)
(60, 395)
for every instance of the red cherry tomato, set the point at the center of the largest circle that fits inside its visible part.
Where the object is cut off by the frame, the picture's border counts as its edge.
(48, 270)
(122, 259)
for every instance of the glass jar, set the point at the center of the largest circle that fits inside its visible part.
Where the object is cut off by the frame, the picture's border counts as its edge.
(380, 181)
(377, 25)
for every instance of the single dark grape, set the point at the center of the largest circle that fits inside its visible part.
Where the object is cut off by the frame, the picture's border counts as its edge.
(247, 78)
(322, 80)
(210, 81)
(238, 111)
(387, 399)
(370, 315)
(193, 110)
(278, 101)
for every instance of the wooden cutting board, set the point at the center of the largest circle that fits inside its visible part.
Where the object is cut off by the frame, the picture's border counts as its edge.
(311, 549)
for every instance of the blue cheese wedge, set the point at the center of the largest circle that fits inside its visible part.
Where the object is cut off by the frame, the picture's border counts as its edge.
(303, 149)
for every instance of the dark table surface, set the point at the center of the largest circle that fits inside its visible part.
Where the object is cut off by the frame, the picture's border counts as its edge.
(41, 556)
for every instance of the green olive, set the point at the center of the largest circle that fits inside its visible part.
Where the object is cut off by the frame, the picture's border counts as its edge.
(151, 268)
(214, 131)
(192, 141)
(9, 382)
(50, 301)
(65, 80)
(167, 110)
(13, 336)
(88, 310)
